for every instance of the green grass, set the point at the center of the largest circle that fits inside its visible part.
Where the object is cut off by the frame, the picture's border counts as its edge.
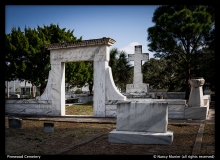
(80, 109)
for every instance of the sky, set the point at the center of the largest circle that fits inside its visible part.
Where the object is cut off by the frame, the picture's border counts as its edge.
(126, 24)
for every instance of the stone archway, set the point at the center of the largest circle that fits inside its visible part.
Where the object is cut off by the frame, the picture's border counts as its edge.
(96, 50)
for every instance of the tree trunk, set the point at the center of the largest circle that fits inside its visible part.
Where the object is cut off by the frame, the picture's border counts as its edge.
(24, 87)
(33, 91)
(187, 85)
(7, 90)
(90, 88)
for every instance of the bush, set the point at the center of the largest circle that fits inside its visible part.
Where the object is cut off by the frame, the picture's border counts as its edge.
(38, 93)
(78, 91)
(213, 96)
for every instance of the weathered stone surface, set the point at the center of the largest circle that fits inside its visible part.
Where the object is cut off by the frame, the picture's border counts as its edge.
(112, 93)
(31, 109)
(198, 113)
(111, 110)
(47, 92)
(196, 93)
(176, 115)
(84, 43)
(139, 88)
(175, 108)
(142, 117)
(138, 57)
(99, 88)
(175, 95)
(110, 113)
(140, 137)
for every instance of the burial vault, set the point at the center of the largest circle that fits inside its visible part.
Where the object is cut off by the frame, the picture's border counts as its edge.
(96, 50)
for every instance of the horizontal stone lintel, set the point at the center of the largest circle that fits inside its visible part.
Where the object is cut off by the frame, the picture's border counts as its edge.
(101, 41)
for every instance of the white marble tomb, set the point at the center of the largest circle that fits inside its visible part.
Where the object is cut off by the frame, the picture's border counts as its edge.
(142, 122)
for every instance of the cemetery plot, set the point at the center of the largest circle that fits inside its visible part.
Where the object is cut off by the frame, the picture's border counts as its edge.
(31, 139)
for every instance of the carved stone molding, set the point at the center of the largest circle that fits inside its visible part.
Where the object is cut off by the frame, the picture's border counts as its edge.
(101, 41)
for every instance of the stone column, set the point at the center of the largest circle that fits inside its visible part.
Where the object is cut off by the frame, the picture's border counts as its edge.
(101, 60)
(196, 93)
(63, 109)
(99, 88)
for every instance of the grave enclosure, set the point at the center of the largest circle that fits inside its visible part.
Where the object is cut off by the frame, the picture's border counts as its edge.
(140, 119)
(106, 96)
(52, 101)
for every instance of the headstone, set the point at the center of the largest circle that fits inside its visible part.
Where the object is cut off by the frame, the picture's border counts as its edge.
(143, 122)
(138, 86)
(15, 123)
(48, 127)
(207, 90)
(14, 96)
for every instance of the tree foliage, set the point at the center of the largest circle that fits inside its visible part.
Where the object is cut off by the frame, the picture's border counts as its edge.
(26, 57)
(180, 34)
(163, 74)
(79, 74)
(121, 68)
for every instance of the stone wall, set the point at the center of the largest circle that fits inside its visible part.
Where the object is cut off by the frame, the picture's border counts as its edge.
(175, 95)
(30, 107)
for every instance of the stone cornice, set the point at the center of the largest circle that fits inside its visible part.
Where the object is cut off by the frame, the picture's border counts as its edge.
(91, 42)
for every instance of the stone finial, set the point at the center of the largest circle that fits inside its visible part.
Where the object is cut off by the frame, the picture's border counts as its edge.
(196, 93)
(197, 82)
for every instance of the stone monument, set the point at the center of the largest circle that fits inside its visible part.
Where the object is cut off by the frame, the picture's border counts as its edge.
(196, 94)
(52, 101)
(198, 104)
(138, 86)
(141, 122)
(15, 123)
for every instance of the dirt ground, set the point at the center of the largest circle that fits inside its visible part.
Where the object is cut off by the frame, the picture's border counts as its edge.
(71, 138)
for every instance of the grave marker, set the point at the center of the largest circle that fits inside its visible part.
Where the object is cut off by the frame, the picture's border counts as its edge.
(15, 123)
(48, 127)
(138, 86)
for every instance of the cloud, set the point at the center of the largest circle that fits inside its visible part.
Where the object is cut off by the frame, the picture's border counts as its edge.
(129, 49)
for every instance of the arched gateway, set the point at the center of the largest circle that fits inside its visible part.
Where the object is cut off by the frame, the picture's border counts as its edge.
(96, 50)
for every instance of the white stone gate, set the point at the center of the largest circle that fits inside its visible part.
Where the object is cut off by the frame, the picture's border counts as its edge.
(96, 50)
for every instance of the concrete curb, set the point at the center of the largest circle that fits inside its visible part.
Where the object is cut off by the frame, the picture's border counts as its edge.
(198, 142)
(79, 144)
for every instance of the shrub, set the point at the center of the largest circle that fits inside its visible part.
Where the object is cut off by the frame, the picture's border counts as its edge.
(78, 91)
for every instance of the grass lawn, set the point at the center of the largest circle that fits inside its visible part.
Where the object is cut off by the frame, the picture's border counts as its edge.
(80, 109)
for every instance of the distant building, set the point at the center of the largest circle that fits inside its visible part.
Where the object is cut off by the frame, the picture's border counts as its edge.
(18, 87)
